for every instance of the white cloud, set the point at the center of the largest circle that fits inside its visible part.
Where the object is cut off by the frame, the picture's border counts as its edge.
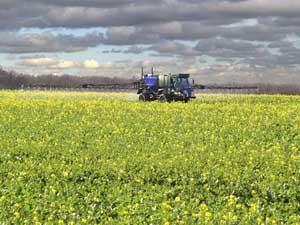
(39, 62)
(62, 64)
(66, 64)
(91, 64)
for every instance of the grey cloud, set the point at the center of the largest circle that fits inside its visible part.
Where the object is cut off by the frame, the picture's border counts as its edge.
(86, 3)
(111, 51)
(228, 50)
(287, 56)
(250, 53)
(129, 36)
(159, 28)
(289, 53)
(8, 4)
(192, 31)
(46, 42)
(223, 50)
(93, 3)
(92, 13)
(145, 22)
(136, 50)
(174, 49)
(221, 44)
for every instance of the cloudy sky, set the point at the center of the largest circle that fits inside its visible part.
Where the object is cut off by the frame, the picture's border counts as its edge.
(214, 40)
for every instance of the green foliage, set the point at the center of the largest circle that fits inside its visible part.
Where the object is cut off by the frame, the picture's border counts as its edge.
(69, 158)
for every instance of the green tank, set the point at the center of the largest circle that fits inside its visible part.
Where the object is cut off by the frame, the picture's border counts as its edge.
(164, 81)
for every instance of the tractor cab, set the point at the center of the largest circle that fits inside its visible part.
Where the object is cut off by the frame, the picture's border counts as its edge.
(182, 85)
(169, 87)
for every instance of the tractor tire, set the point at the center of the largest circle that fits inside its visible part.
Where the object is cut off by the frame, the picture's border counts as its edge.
(186, 100)
(163, 98)
(142, 98)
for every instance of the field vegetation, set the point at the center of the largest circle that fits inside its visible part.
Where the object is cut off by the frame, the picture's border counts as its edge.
(90, 158)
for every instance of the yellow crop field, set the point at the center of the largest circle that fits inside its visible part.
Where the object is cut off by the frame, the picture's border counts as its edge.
(100, 158)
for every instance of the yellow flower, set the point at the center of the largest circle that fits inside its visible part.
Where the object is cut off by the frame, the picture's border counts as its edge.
(259, 220)
(253, 208)
(203, 207)
(238, 206)
(17, 214)
(177, 199)
(234, 218)
(208, 214)
(165, 205)
(65, 173)
(232, 200)
(83, 220)
(50, 218)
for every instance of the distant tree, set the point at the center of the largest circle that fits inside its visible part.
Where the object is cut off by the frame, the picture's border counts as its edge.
(13, 80)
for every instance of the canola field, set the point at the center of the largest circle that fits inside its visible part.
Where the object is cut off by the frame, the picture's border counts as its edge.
(91, 158)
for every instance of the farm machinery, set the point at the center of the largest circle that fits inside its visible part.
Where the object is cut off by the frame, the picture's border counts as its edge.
(165, 88)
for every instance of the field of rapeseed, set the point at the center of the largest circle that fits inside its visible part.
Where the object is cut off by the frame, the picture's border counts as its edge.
(88, 158)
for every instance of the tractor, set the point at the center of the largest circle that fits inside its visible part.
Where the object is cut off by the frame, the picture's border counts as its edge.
(165, 88)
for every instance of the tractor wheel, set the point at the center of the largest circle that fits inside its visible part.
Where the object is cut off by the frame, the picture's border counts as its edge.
(186, 100)
(142, 98)
(163, 98)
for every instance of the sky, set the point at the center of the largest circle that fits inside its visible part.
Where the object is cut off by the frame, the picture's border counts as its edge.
(216, 41)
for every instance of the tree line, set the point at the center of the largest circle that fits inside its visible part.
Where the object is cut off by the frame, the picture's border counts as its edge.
(14, 80)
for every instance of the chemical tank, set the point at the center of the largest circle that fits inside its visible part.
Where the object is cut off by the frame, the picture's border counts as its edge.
(163, 81)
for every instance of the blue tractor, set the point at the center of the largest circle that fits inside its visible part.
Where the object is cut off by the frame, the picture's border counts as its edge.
(165, 88)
